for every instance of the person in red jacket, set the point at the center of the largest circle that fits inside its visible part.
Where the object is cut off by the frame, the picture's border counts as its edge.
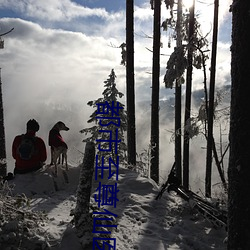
(29, 150)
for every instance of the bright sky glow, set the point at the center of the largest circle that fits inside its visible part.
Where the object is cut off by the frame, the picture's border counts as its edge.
(188, 3)
(61, 51)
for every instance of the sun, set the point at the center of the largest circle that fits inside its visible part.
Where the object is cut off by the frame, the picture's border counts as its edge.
(188, 3)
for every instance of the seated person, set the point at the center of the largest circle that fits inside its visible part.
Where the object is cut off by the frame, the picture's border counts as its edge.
(29, 150)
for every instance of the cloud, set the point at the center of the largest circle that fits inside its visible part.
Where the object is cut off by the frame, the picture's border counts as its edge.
(40, 59)
(57, 60)
(205, 13)
(143, 12)
(51, 75)
(56, 10)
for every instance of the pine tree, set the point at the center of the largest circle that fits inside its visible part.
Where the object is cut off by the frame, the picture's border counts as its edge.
(110, 96)
(188, 53)
(210, 117)
(191, 26)
(238, 170)
(130, 85)
(154, 169)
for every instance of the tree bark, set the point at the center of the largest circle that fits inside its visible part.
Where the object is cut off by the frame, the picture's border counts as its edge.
(239, 159)
(82, 218)
(3, 161)
(154, 169)
(131, 131)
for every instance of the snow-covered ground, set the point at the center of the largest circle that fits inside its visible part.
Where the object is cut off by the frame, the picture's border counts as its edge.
(143, 222)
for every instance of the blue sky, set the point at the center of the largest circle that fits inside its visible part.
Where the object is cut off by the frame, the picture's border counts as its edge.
(108, 5)
(61, 52)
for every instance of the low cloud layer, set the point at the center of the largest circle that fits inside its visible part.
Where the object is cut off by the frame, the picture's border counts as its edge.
(59, 55)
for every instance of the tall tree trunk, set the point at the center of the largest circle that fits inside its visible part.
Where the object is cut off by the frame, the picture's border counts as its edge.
(239, 159)
(131, 131)
(82, 218)
(3, 161)
(154, 170)
(211, 102)
(188, 97)
(178, 100)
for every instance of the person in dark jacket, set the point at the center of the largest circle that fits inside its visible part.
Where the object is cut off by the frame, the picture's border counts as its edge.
(29, 150)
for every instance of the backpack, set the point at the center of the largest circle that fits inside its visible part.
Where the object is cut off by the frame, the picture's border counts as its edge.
(26, 148)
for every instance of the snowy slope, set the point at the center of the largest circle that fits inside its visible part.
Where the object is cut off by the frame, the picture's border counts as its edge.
(143, 222)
